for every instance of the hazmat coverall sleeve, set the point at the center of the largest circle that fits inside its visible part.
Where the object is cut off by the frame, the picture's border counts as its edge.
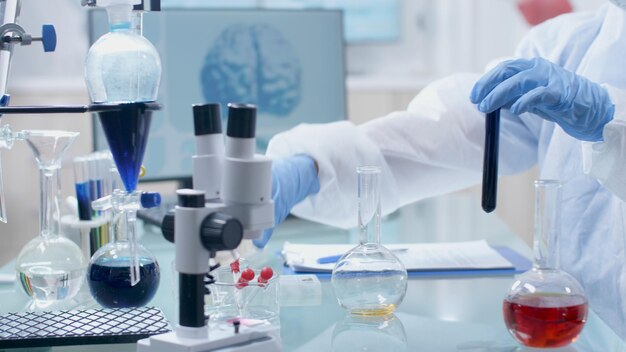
(606, 160)
(553, 40)
(432, 148)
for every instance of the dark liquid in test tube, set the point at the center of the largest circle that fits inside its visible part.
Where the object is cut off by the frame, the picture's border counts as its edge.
(490, 161)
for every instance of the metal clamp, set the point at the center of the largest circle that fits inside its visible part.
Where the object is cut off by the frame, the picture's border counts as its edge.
(14, 33)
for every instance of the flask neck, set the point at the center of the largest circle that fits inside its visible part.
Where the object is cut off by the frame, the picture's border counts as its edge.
(548, 194)
(369, 205)
(49, 201)
(120, 17)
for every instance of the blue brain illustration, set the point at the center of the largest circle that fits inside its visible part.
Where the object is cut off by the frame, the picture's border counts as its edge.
(253, 64)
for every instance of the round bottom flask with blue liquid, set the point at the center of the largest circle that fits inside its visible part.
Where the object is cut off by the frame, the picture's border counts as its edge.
(109, 276)
(123, 273)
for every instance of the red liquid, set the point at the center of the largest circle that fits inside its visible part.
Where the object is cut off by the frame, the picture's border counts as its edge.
(545, 321)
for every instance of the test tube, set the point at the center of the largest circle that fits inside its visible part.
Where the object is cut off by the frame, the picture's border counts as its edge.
(490, 161)
(81, 177)
(81, 184)
(103, 188)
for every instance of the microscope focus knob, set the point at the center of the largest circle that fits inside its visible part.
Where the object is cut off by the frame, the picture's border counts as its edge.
(219, 232)
(167, 226)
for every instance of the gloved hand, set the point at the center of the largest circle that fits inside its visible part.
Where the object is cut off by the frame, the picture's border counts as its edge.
(579, 106)
(293, 179)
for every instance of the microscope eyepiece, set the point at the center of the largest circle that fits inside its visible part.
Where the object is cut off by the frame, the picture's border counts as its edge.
(241, 120)
(207, 119)
(190, 198)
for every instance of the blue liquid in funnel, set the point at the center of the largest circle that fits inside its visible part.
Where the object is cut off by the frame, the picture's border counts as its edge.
(127, 134)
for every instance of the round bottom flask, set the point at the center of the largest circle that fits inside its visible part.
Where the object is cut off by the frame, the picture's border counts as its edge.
(369, 279)
(108, 276)
(50, 269)
(546, 307)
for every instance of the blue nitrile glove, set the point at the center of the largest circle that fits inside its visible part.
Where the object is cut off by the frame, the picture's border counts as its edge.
(579, 106)
(293, 179)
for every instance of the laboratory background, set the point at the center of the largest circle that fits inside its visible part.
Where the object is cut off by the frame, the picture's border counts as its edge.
(355, 60)
(436, 38)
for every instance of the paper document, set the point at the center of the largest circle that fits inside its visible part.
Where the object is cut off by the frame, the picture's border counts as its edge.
(417, 256)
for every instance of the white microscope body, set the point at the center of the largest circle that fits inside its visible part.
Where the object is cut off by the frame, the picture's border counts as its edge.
(231, 200)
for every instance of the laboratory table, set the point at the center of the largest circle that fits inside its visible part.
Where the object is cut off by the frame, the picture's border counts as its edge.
(438, 314)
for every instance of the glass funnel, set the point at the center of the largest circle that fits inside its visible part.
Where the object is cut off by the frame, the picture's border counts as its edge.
(369, 279)
(50, 267)
(123, 273)
(546, 307)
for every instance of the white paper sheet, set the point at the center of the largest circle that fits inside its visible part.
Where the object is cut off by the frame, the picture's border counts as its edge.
(417, 257)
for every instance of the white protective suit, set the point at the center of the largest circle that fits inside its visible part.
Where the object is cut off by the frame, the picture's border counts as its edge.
(436, 147)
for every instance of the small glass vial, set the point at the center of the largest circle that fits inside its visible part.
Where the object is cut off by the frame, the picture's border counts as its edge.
(369, 279)
(546, 307)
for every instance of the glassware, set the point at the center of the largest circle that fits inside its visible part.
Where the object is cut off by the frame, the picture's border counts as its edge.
(123, 273)
(7, 138)
(50, 267)
(378, 333)
(230, 299)
(122, 72)
(93, 180)
(369, 279)
(546, 307)
(122, 65)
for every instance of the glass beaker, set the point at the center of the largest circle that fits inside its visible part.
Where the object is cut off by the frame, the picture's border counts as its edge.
(369, 279)
(123, 273)
(122, 65)
(546, 307)
(229, 299)
(50, 267)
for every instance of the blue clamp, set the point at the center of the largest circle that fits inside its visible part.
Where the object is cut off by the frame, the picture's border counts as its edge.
(150, 199)
(4, 101)
(48, 37)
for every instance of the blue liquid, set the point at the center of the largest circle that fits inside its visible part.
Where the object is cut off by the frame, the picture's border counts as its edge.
(109, 282)
(84, 201)
(127, 134)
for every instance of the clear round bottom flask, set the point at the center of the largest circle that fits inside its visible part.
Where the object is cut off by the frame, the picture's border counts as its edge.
(50, 268)
(546, 307)
(369, 279)
(109, 279)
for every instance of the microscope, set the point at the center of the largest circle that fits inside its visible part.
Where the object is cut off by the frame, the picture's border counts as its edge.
(231, 201)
